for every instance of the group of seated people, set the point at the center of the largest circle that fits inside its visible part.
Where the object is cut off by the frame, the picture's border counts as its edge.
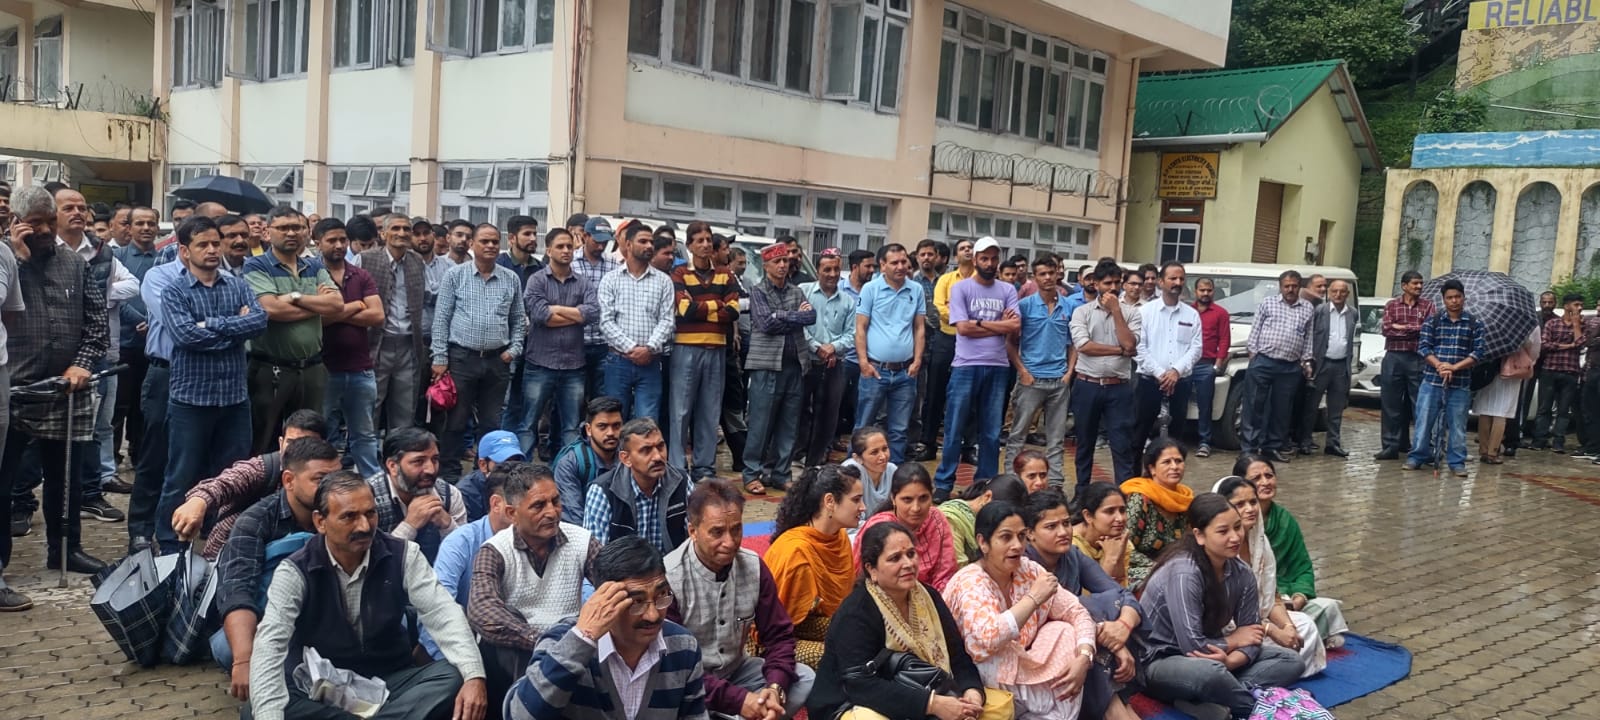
(1031, 606)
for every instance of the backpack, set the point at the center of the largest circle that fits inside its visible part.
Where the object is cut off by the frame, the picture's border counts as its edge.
(1278, 703)
(276, 552)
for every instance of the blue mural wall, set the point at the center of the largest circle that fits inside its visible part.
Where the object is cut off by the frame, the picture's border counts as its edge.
(1554, 148)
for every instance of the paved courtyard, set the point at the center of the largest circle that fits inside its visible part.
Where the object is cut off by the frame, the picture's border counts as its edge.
(1491, 581)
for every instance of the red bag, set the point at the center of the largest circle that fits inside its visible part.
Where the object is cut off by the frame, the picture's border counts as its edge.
(442, 393)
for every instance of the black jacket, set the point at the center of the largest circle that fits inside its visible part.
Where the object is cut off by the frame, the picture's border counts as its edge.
(856, 636)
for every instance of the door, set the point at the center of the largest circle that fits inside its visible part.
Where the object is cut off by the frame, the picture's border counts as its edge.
(1269, 219)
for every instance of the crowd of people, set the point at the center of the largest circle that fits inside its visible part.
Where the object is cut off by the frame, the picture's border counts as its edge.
(588, 563)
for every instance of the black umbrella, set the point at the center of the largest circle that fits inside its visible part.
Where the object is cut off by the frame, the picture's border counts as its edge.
(1508, 311)
(233, 193)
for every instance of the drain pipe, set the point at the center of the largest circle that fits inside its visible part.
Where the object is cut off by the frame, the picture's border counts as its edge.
(577, 138)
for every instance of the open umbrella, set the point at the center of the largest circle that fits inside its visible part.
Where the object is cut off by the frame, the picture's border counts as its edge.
(1508, 310)
(233, 193)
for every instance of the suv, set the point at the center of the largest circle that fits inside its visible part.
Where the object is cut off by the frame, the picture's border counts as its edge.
(1240, 289)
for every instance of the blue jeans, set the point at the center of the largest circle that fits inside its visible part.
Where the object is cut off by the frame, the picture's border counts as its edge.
(352, 396)
(542, 386)
(1432, 402)
(149, 475)
(1204, 378)
(696, 407)
(1092, 404)
(895, 389)
(105, 441)
(637, 386)
(594, 370)
(774, 421)
(980, 388)
(201, 441)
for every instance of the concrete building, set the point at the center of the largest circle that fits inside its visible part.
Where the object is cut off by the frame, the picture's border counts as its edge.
(1259, 165)
(75, 95)
(845, 122)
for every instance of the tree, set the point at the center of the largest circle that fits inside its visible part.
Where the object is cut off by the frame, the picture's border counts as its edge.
(1452, 112)
(1369, 35)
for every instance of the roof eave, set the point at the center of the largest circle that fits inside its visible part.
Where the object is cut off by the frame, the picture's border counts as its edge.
(1191, 140)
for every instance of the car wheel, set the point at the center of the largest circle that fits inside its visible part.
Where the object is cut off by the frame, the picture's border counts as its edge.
(1225, 432)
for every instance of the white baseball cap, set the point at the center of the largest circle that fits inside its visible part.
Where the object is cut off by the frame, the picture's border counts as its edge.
(984, 243)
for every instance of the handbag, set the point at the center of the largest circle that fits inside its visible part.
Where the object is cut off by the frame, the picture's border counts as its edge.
(442, 394)
(1518, 365)
(1278, 703)
(905, 669)
(194, 615)
(134, 603)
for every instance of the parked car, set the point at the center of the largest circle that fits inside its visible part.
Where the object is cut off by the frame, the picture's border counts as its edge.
(1240, 289)
(1369, 361)
(752, 245)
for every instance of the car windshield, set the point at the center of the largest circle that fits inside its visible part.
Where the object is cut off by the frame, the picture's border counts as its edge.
(753, 272)
(1371, 318)
(1238, 295)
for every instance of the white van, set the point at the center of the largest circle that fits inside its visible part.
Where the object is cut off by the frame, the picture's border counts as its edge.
(1240, 289)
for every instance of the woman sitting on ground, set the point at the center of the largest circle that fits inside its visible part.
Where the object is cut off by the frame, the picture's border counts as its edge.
(890, 610)
(1286, 628)
(1031, 466)
(1297, 580)
(962, 512)
(1197, 589)
(911, 504)
(1157, 504)
(810, 558)
(869, 454)
(1100, 529)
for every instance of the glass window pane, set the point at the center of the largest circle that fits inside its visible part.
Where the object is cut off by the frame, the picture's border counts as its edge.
(990, 76)
(1047, 231)
(677, 193)
(935, 220)
(688, 18)
(1002, 228)
(508, 180)
(180, 50)
(449, 212)
(1034, 109)
(1052, 108)
(489, 22)
(716, 197)
(362, 23)
(1018, 75)
(967, 95)
(980, 225)
(503, 215)
(797, 46)
(1039, 47)
(544, 23)
(1098, 65)
(852, 211)
(844, 23)
(538, 179)
(973, 26)
(1074, 133)
(958, 223)
(951, 18)
(788, 205)
(947, 72)
(727, 35)
(477, 214)
(752, 201)
(637, 188)
(513, 22)
(1091, 128)
(827, 208)
(765, 43)
(453, 177)
(878, 214)
(869, 57)
(1024, 230)
(894, 35)
(644, 27)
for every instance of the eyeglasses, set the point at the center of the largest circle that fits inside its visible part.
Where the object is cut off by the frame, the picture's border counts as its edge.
(661, 602)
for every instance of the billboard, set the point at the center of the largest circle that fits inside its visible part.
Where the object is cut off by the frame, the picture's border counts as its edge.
(1488, 14)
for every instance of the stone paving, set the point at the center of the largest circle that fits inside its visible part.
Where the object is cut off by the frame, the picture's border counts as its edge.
(1490, 581)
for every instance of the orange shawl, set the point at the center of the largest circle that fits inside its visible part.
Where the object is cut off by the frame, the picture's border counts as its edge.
(814, 572)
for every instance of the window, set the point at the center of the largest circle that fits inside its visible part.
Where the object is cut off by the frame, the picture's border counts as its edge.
(801, 21)
(508, 180)
(864, 49)
(8, 67)
(677, 192)
(47, 79)
(275, 39)
(638, 189)
(716, 197)
(489, 193)
(753, 202)
(470, 28)
(789, 205)
(197, 27)
(1005, 79)
(1178, 241)
(476, 183)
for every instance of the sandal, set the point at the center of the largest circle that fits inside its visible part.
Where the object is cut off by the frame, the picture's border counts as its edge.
(1494, 460)
(754, 487)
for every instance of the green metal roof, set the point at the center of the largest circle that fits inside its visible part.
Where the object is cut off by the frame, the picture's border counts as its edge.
(1216, 104)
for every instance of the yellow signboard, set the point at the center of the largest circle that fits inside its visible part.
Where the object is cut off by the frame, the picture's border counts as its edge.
(1189, 175)
(1527, 13)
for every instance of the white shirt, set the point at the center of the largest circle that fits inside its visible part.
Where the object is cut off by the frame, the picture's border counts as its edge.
(1170, 339)
(630, 681)
(1338, 340)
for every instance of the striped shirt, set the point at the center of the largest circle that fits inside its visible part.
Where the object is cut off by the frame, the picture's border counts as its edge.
(637, 311)
(707, 305)
(1451, 341)
(595, 270)
(478, 313)
(1282, 331)
(209, 336)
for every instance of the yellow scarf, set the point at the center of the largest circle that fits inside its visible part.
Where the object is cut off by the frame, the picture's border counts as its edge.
(1175, 501)
(921, 634)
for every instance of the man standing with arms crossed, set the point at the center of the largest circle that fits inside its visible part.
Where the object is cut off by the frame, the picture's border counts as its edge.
(984, 312)
(1402, 366)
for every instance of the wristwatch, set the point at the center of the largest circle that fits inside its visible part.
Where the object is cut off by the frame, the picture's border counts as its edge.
(294, 297)
(783, 697)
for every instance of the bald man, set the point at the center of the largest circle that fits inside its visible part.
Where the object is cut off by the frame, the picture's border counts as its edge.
(211, 210)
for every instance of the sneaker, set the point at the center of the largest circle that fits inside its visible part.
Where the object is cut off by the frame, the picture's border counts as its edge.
(1409, 466)
(21, 523)
(1596, 461)
(100, 510)
(13, 601)
(1584, 455)
(116, 485)
(1204, 451)
(1459, 471)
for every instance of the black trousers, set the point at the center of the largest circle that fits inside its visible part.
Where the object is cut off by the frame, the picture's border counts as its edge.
(480, 392)
(823, 393)
(938, 357)
(1401, 379)
(52, 462)
(127, 417)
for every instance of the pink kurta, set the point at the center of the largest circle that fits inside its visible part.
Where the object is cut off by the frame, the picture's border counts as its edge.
(936, 547)
(1038, 652)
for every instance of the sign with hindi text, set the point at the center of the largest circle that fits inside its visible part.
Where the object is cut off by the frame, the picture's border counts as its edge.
(1189, 175)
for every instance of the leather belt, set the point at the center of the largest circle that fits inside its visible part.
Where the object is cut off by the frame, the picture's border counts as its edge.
(264, 358)
(891, 366)
(1102, 381)
(158, 362)
(496, 352)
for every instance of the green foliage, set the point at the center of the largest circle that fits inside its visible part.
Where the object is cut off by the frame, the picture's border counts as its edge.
(1396, 113)
(1452, 112)
(1369, 35)
(1586, 285)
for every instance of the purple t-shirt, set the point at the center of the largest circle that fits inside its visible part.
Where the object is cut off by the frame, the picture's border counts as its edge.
(971, 300)
(344, 346)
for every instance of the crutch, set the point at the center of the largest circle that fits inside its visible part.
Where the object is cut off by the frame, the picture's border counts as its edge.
(45, 391)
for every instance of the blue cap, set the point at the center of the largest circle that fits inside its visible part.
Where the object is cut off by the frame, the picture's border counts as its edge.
(500, 446)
